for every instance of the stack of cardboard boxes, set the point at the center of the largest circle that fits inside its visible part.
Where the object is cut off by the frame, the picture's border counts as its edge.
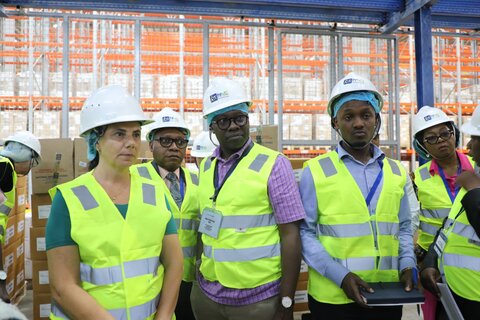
(14, 245)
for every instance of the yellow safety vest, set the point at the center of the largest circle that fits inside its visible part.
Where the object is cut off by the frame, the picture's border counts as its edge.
(435, 203)
(9, 203)
(344, 225)
(186, 218)
(119, 258)
(246, 253)
(461, 256)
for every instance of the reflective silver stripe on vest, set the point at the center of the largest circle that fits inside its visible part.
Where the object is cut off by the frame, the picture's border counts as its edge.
(428, 228)
(248, 221)
(465, 230)
(149, 194)
(143, 172)
(388, 228)
(100, 276)
(242, 255)
(388, 263)
(439, 213)
(194, 178)
(86, 198)
(5, 209)
(358, 264)
(258, 163)
(461, 261)
(327, 167)
(57, 310)
(189, 224)
(394, 166)
(118, 314)
(344, 230)
(188, 252)
(141, 267)
(208, 163)
(425, 174)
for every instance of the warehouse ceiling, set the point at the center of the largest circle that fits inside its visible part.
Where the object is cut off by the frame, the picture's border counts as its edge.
(388, 15)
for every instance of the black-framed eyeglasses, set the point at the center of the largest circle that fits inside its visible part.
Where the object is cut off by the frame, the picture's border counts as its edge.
(224, 123)
(445, 135)
(166, 142)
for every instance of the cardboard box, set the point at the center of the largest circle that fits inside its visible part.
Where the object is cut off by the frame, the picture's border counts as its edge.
(10, 284)
(40, 281)
(20, 231)
(267, 136)
(80, 160)
(303, 276)
(10, 229)
(19, 274)
(41, 204)
(297, 166)
(56, 166)
(301, 297)
(41, 306)
(9, 254)
(20, 199)
(37, 243)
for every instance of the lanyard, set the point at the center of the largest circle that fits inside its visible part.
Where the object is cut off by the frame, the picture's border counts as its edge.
(447, 186)
(230, 171)
(375, 184)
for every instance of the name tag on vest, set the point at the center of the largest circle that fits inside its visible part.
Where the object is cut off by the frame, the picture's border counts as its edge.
(210, 222)
(440, 243)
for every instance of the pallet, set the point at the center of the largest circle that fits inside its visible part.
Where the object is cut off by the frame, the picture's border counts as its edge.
(19, 295)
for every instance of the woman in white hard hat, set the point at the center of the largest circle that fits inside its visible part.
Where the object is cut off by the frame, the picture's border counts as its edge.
(112, 247)
(203, 146)
(435, 139)
(21, 153)
(455, 252)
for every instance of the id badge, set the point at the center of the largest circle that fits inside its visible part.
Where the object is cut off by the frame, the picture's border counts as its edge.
(210, 222)
(440, 243)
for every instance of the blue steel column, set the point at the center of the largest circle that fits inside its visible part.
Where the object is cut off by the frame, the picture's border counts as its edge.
(423, 57)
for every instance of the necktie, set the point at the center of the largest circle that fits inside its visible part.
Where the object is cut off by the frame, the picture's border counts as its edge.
(175, 189)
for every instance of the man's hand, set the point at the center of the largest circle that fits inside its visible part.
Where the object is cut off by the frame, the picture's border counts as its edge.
(468, 180)
(352, 286)
(406, 278)
(283, 314)
(3, 292)
(430, 277)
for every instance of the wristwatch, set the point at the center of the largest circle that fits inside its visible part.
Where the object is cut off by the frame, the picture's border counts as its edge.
(287, 302)
(3, 275)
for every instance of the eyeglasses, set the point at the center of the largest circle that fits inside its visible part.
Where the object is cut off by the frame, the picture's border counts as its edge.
(224, 123)
(445, 135)
(166, 142)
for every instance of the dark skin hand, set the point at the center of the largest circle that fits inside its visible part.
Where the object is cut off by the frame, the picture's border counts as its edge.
(283, 314)
(3, 292)
(468, 180)
(407, 279)
(352, 285)
(429, 278)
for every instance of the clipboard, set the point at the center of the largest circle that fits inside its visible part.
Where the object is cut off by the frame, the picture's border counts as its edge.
(449, 303)
(392, 294)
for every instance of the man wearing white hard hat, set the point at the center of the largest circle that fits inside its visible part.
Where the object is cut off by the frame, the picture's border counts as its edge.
(358, 225)
(168, 139)
(22, 151)
(112, 245)
(203, 146)
(250, 211)
(454, 255)
(435, 138)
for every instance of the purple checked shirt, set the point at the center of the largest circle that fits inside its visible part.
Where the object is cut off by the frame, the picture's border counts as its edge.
(287, 207)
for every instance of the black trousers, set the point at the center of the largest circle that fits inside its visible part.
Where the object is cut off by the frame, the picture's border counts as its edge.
(470, 309)
(352, 311)
(183, 309)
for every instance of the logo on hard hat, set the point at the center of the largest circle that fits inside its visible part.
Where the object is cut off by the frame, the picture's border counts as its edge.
(169, 119)
(430, 117)
(217, 96)
(352, 80)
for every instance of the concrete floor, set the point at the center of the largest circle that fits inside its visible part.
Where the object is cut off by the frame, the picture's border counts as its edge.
(26, 306)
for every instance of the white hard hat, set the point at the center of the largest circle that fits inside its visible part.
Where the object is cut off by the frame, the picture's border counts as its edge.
(473, 126)
(167, 118)
(28, 139)
(110, 104)
(350, 83)
(223, 93)
(428, 117)
(203, 146)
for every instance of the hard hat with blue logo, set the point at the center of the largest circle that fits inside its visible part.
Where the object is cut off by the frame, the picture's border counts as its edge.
(167, 118)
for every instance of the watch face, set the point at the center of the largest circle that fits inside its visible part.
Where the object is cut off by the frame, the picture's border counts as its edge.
(3, 275)
(286, 302)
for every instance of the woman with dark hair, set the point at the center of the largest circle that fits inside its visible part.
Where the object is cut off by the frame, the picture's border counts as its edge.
(112, 245)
